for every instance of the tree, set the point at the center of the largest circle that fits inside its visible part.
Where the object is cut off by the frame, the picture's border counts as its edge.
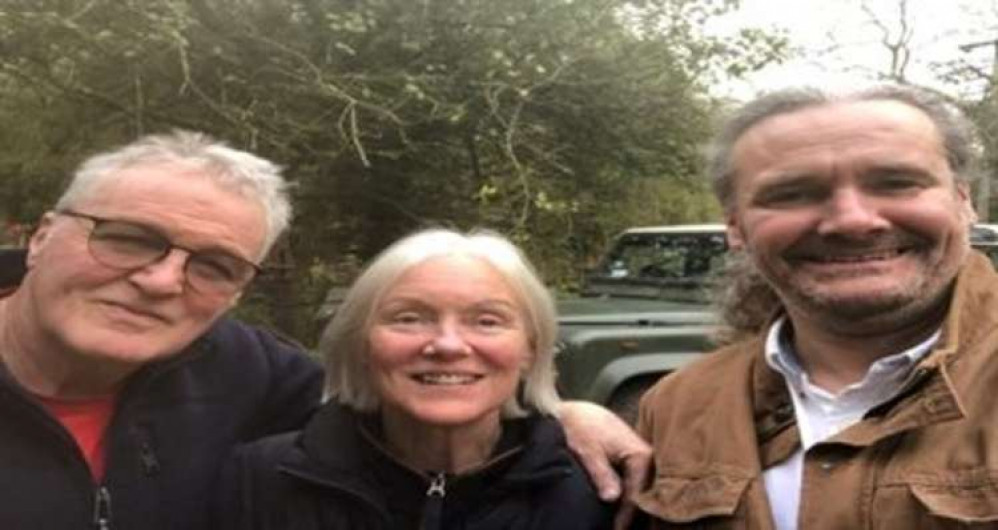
(909, 42)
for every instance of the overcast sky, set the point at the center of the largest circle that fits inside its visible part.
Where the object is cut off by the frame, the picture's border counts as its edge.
(839, 43)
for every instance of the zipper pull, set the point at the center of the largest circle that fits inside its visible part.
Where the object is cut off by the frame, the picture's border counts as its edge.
(433, 510)
(437, 486)
(102, 509)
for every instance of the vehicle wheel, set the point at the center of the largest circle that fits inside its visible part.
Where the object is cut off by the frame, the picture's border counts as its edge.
(624, 401)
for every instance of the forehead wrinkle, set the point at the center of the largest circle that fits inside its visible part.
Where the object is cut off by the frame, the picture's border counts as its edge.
(825, 138)
(186, 239)
(408, 294)
(200, 221)
(416, 280)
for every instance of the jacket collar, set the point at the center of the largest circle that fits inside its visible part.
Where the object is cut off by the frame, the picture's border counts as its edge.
(338, 441)
(940, 380)
(706, 457)
(972, 315)
(936, 382)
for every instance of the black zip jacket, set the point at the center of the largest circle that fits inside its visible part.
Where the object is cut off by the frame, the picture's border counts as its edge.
(174, 424)
(335, 475)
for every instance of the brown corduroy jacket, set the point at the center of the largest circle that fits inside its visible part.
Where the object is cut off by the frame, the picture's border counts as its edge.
(926, 459)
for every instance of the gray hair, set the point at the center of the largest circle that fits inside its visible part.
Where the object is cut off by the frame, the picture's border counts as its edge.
(344, 343)
(956, 131)
(743, 300)
(240, 171)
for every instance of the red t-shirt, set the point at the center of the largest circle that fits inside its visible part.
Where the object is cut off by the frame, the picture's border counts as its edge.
(87, 421)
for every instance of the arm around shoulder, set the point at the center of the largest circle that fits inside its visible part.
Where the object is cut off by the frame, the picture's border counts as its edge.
(600, 440)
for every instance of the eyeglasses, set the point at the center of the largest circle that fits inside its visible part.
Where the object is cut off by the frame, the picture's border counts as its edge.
(128, 246)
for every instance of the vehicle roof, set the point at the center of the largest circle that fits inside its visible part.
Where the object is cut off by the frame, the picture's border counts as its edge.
(707, 228)
(984, 234)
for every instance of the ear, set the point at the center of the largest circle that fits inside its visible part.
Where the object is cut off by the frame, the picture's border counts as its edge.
(527, 360)
(734, 232)
(40, 238)
(966, 205)
(235, 299)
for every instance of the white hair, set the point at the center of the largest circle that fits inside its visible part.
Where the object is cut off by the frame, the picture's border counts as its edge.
(344, 341)
(240, 171)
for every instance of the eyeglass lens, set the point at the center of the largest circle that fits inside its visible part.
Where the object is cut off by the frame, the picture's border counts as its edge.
(126, 245)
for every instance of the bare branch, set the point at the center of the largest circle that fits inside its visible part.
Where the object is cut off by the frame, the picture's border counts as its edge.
(898, 46)
(355, 136)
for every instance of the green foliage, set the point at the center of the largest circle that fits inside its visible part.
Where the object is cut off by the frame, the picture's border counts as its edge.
(557, 122)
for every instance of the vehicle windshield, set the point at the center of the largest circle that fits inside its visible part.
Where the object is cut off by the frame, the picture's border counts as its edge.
(664, 256)
(663, 265)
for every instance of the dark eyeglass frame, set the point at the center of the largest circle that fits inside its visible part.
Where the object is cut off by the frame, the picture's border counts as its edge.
(168, 247)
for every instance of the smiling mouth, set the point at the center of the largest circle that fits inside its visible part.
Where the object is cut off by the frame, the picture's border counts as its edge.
(866, 257)
(445, 379)
(138, 313)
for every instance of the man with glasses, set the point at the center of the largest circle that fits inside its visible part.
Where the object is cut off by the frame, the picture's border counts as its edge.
(122, 388)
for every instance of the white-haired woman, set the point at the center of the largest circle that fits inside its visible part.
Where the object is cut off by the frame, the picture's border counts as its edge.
(440, 390)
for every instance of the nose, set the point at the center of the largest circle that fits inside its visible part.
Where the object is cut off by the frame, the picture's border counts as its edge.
(850, 212)
(448, 342)
(165, 276)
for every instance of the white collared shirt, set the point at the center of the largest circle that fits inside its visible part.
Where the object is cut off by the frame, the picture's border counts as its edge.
(822, 414)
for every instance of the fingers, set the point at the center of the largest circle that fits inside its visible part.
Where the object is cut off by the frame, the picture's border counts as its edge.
(627, 451)
(637, 465)
(603, 476)
(600, 439)
(622, 520)
(588, 427)
(636, 471)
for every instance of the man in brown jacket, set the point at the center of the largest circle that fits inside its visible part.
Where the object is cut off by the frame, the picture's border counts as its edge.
(864, 399)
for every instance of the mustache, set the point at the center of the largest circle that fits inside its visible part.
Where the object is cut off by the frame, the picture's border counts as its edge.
(837, 245)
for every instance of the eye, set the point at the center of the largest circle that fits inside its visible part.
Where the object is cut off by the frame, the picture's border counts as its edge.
(789, 196)
(408, 318)
(896, 182)
(489, 321)
(212, 269)
(493, 319)
(127, 239)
